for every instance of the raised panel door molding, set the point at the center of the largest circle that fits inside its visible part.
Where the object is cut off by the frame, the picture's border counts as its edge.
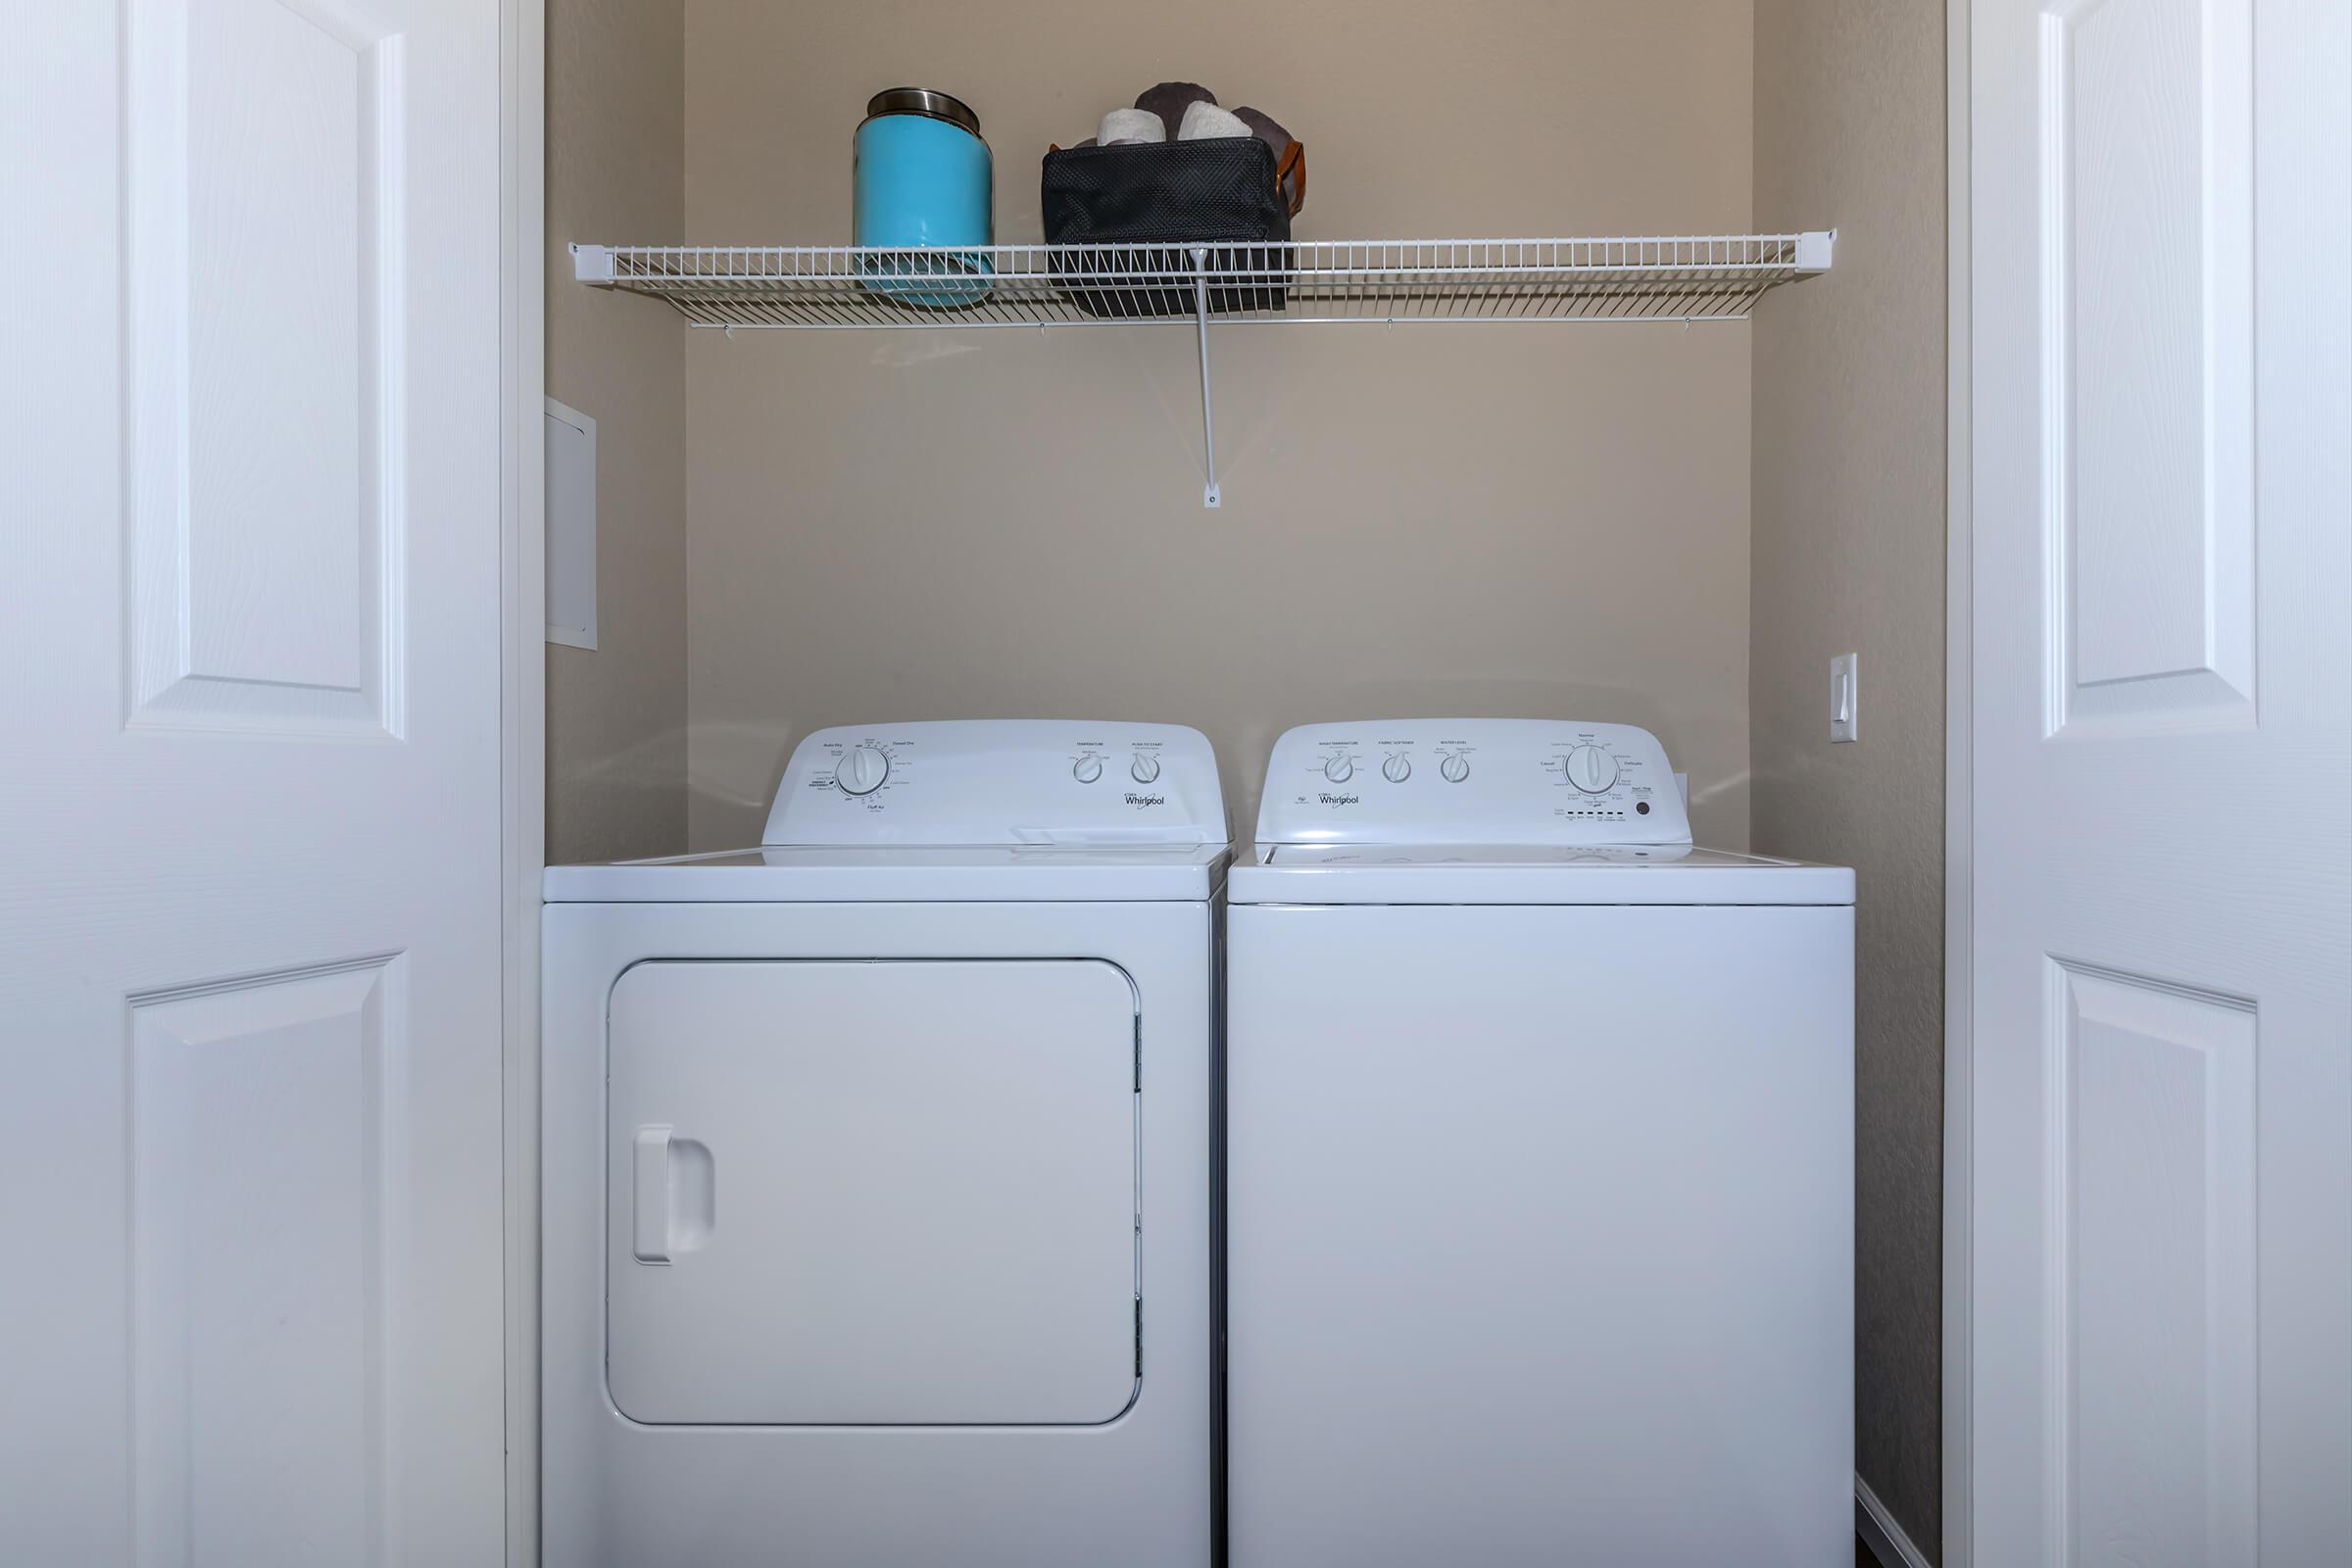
(2150, 1258)
(2147, 329)
(263, 1116)
(264, 192)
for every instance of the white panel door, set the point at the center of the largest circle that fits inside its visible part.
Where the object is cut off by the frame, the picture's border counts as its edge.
(873, 1193)
(250, 926)
(2161, 1295)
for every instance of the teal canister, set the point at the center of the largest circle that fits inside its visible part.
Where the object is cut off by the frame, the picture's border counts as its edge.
(923, 181)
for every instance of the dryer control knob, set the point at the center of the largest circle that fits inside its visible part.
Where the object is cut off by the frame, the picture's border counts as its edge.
(1396, 769)
(1086, 769)
(1145, 769)
(1455, 769)
(1339, 770)
(1590, 768)
(862, 769)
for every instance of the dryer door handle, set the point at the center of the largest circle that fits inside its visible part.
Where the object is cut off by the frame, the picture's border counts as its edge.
(650, 1222)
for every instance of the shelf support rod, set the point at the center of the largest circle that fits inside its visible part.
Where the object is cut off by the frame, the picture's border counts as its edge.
(1208, 423)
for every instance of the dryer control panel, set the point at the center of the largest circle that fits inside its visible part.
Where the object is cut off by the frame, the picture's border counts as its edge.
(1000, 781)
(1471, 781)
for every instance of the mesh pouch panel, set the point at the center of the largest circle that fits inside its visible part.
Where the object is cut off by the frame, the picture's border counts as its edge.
(1219, 192)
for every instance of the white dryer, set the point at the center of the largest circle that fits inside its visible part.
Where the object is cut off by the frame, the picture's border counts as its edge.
(877, 1176)
(1539, 1166)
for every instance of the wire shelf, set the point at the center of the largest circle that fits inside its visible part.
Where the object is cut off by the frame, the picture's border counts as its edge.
(1706, 278)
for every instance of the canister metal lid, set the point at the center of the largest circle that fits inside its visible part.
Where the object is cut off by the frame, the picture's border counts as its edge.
(923, 101)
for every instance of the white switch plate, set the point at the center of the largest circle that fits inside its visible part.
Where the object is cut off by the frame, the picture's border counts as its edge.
(1845, 696)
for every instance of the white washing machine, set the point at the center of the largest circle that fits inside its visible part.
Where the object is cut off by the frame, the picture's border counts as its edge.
(1539, 1166)
(877, 1165)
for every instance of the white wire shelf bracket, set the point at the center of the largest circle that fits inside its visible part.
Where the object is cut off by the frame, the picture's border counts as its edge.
(1704, 278)
(1698, 277)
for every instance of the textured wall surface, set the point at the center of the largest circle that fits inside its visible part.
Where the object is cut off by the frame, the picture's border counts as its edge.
(1848, 503)
(615, 165)
(1541, 519)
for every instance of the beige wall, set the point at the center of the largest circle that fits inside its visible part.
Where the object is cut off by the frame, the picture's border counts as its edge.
(1849, 542)
(1540, 519)
(615, 167)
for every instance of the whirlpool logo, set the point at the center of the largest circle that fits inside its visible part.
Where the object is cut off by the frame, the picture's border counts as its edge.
(1338, 800)
(1135, 799)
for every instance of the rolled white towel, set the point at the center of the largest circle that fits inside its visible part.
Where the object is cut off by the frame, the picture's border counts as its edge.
(1169, 100)
(1203, 120)
(1130, 125)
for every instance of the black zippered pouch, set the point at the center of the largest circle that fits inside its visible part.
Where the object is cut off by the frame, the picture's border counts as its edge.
(1138, 210)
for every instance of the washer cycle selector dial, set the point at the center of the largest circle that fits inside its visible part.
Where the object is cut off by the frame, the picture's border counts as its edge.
(1455, 768)
(1339, 770)
(1086, 769)
(1145, 769)
(1396, 769)
(862, 769)
(1590, 769)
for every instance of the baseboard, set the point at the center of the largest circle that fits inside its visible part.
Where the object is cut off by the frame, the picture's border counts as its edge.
(1881, 1534)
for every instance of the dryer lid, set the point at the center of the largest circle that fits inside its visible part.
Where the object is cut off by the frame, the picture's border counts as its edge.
(912, 874)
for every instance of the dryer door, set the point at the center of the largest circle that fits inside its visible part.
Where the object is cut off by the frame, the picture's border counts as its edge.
(886, 1193)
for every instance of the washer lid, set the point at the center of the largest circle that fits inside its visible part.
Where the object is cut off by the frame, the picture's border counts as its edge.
(883, 874)
(1529, 873)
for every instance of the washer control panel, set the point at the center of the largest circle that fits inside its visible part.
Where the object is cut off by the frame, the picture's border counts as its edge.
(1000, 781)
(1431, 781)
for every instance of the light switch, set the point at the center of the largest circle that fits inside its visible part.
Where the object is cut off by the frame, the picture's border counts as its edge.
(1845, 696)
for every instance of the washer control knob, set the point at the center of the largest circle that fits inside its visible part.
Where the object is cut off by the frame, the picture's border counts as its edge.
(1145, 769)
(862, 769)
(1590, 768)
(1455, 768)
(1340, 769)
(1396, 769)
(1086, 769)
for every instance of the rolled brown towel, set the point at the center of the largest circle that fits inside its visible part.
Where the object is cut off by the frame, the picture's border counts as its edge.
(1265, 126)
(1266, 129)
(1170, 99)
